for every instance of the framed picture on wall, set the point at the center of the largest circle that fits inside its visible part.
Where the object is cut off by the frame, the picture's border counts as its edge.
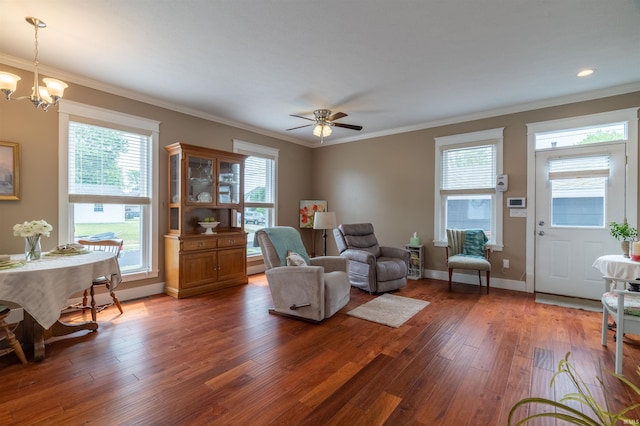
(308, 209)
(9, 171)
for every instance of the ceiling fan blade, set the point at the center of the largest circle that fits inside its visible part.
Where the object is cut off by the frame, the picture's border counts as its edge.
(348, 126)
(337, 116)
(300, 127)
(299, 116)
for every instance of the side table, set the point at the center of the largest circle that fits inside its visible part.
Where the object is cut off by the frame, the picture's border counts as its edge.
(416, 261)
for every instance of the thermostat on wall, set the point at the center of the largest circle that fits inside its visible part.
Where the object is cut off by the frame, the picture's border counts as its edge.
(516, 202)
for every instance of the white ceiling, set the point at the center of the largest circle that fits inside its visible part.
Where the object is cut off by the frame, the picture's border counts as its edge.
(390, 65)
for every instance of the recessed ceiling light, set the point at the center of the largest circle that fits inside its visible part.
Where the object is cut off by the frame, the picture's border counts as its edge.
(586, 72)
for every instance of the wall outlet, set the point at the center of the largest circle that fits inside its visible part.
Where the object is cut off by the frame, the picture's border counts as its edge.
(505, 263)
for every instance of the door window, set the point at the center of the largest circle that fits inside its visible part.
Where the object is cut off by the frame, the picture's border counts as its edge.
(578, 190)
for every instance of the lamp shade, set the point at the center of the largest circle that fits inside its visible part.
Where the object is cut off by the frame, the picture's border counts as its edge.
(8, 81)
(55, 87)
(324, 220)
(44, 94)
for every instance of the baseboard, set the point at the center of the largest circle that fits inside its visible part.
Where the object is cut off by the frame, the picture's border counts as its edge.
(472, 279)
(125, 294)
(255, 269)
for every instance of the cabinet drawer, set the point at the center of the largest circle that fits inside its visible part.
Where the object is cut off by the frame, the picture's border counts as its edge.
(232, 240)
(204, 244)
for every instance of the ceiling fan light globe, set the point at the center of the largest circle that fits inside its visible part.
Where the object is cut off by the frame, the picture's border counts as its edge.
(322, 130)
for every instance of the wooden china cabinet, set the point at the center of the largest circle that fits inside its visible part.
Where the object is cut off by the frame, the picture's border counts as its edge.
(203, 184)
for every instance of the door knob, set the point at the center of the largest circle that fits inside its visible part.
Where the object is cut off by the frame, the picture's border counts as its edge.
(541, 233)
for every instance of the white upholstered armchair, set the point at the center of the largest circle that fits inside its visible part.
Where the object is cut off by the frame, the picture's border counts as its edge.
(316, 289)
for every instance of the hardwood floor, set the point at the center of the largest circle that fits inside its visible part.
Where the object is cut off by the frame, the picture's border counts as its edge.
(222, 359)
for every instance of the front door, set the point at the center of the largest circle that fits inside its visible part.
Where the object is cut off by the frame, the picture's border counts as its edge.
(579, 191)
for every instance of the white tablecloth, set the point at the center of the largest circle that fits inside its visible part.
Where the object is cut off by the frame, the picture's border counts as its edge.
(42, 287)
(618, 267)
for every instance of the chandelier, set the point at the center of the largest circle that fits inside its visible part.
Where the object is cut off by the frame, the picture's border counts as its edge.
(41, 97)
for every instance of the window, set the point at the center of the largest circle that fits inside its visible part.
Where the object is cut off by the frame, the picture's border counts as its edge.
(609, 132)
(465, 194)
(578, 190)
(108, 184)
(260, 201)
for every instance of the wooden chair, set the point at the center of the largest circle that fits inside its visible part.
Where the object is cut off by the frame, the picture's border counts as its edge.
(11, 338)
(624, 308)
(113, 246)
(466, 249)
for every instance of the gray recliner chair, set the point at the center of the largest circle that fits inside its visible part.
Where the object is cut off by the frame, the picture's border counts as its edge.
(314, 290)
(372, 267)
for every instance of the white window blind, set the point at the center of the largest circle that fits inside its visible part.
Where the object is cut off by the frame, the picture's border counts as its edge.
(258, 181)
(579, 167)
(108, 165)
(465, 168)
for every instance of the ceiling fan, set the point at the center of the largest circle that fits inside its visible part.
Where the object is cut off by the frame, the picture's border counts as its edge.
(324, 120)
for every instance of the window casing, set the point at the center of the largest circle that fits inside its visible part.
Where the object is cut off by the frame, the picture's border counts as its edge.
(108, 185)
(465, 192)
(260, 195)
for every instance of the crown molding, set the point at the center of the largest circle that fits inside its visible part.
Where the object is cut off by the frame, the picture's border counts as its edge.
(119, 91)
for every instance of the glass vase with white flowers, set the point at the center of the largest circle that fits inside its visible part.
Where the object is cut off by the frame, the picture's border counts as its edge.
(32, 232)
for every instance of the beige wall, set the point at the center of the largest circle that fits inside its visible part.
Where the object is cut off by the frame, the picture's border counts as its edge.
(389, 180)
(37, 134)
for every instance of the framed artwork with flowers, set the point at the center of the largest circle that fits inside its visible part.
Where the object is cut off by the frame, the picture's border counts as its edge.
(9, 171)
(308, 209)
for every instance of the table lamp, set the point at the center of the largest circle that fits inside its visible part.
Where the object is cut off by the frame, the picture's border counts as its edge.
(324, 221)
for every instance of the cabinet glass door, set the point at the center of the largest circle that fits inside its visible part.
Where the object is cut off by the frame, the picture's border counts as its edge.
(200, 180)
(174, 193)
(174, 179)
(228, 182)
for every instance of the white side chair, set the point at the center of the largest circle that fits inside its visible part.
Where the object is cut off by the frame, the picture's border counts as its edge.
(624, 308)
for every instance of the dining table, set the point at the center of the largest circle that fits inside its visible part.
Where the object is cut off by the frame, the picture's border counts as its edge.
(618, 268)
(43, 287)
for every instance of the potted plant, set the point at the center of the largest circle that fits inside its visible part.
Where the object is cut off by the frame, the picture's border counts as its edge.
(623, 232)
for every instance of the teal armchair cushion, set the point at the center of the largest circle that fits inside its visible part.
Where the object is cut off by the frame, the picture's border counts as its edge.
(474, 242)
(285, 239)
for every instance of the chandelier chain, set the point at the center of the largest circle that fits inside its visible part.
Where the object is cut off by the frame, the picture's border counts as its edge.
(36, 46)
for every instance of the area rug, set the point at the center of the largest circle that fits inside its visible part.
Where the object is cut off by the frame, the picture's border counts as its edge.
(569, 302)
(389, 309)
